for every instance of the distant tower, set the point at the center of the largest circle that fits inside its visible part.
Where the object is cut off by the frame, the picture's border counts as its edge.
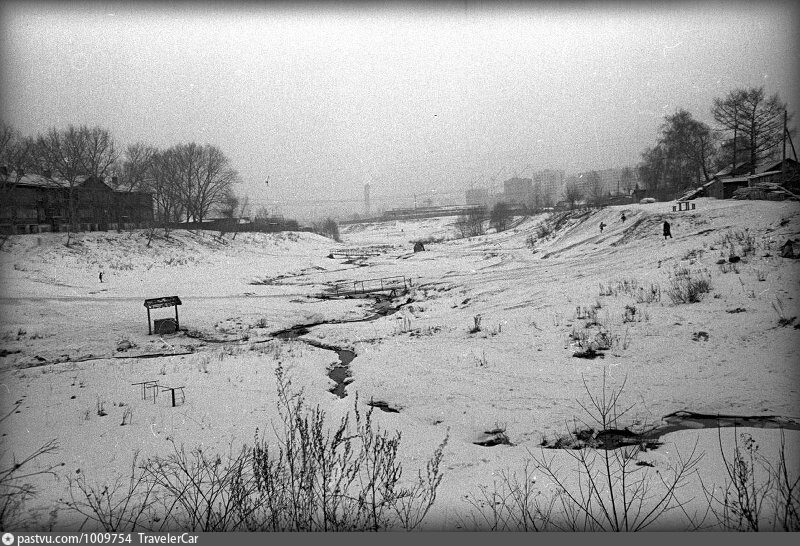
(366, 199)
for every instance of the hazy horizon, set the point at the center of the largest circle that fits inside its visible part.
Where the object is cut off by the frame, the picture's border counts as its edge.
(322, 99)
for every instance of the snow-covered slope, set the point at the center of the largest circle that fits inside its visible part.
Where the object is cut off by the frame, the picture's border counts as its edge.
(534, 291)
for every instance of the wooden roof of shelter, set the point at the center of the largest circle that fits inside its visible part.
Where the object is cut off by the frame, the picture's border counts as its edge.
(166, 301)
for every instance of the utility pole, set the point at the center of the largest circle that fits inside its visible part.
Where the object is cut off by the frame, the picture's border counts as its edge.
(735, 127)
(783, 155)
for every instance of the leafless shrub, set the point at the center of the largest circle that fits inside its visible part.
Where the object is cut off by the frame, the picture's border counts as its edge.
(631, 287)
(613, 492)
(100, 407)
(739, 243)
(544, 230)
(113, 506)
(623, 286)
(471, 224)
(605, 340)
(481, 361)
(310, 478)
(315, 479)
(328, 228)
(687, 286)
(782, 319)
(202, 363)
(15, 489)
(476, 324)
(583, 312)
(649, 294)
(199, 491)
(756, 489)
(513, 504)
(634, 314)
(727, 267)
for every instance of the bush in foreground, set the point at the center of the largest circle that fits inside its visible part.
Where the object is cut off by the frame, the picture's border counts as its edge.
(611, 492)
(305, 477)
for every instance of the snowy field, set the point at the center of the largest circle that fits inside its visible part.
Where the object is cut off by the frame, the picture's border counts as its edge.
(483, 341)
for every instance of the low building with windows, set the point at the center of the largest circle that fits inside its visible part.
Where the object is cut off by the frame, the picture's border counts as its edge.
(34, 203)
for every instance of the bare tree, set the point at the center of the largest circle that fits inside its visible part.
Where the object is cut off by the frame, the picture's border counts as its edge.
(136, 167)
(572, 193)
(136, 172)
(215, 179)
(161, 182)
(471, 223)
(749, 113)
(99, 151)
(203, 176)
(72, 154)
(500, 216)
(627, 181)
(690, 147)
(232, 209)
(15, 160)
(61, 153)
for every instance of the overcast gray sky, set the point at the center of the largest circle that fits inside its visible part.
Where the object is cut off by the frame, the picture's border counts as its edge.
(323, 98)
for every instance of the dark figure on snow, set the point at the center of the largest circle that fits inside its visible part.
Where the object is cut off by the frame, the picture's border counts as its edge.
(667, 232)
(602, 225)
(101, 276)
(622, 217)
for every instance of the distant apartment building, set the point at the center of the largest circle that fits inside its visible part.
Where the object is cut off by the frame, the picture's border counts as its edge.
(478, 196)
(614, 181)
(550, 185)
(518, 190)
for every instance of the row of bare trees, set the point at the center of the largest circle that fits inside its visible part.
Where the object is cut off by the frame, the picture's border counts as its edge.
(749, 128)
(187, 181)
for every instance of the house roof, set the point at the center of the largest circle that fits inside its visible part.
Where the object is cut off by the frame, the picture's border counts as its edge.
(731, 168)
(40, 181)
(694, 192)
(775, 165)
(735, 180)
(764, 174)
(766, 167)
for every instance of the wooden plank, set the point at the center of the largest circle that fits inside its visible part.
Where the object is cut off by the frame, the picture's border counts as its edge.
(166, 301)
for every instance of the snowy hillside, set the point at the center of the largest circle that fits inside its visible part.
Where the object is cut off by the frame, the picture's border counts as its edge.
(500, 332)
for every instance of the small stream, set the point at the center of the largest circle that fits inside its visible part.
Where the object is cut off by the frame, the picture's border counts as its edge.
(339, 373)
(604, 439)
(674, 422)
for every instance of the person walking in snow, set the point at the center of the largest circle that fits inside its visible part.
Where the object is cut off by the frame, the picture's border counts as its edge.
(101, 276)
(602, 225)
(622, 217)
(667, 232)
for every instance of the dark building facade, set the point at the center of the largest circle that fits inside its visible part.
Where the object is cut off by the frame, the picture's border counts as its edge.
(34, 203)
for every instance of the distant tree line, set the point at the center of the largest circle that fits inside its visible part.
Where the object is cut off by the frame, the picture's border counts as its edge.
(187, 181)
(749, 128)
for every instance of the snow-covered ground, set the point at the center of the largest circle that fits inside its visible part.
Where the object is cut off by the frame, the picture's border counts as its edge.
(64, 338)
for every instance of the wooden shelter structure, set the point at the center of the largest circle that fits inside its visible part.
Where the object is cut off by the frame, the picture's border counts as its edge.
(155, 303)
